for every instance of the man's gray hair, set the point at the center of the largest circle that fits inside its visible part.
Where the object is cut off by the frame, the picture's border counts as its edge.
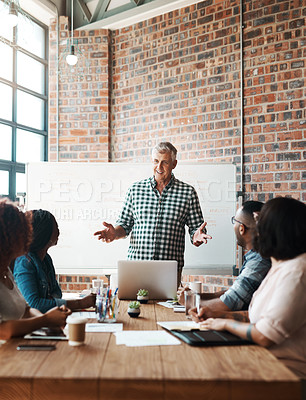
(165, 147)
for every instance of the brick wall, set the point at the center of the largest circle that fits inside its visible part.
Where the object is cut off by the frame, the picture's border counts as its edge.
(84, 105)
(77, 283)
(177, 77)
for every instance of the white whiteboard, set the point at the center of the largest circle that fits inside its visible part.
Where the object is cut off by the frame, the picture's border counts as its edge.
(82, 195)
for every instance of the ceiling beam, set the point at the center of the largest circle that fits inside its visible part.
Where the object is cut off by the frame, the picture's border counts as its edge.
(137, 2)
(138, 14)
(100, 10)
(85, 10)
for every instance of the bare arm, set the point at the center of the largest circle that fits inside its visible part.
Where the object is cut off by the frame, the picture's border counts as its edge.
(204, 296)
(54, 317)
(32, 312)
(85, 302)
(217, 309)
(110, 233)
(244, 330)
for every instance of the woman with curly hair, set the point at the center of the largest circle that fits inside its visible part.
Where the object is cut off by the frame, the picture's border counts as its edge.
(34, 272)
(16, 317)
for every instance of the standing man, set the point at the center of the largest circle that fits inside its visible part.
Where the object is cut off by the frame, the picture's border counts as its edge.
(156, 211)
(253, 270)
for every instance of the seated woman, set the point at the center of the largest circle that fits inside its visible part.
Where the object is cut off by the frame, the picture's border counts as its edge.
(276, 316)
(34, 272)
(16, 317)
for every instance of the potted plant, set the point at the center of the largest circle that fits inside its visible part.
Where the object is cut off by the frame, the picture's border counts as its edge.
(134, 309)
(143, 296)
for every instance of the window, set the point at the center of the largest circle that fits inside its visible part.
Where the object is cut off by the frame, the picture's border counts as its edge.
(23, 101)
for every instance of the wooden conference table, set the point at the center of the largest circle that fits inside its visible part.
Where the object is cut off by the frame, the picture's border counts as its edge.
(102, 370)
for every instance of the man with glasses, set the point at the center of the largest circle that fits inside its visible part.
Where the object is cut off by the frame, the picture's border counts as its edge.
(252, 272)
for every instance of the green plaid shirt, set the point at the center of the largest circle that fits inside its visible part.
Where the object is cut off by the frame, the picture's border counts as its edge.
(157, 221)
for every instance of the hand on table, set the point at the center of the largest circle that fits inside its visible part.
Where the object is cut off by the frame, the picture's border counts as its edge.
(216, 324)
(180, 294)
(203, 314)
(57, 316)
(88, 301)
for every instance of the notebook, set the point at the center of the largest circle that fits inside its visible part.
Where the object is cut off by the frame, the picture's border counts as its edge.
(191, 334)
(157, 276)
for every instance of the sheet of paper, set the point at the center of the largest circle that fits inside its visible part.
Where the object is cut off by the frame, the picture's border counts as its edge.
(86, 314)
(107, 327)
(179, 309)
(166, 304)
(145, 338)
(180, 325)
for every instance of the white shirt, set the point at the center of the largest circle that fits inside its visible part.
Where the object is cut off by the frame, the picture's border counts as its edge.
(12, 303)
(278, 310)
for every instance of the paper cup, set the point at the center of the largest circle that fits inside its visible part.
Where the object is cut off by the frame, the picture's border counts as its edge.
(76, 330)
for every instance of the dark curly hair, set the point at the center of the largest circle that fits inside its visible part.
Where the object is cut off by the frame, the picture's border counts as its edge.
(15, 232)
(281, 229)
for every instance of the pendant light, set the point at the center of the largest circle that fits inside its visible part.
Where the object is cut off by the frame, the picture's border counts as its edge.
(72, 58)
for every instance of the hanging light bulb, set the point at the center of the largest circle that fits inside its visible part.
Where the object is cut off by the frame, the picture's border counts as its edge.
(71, 58)
(12, 18)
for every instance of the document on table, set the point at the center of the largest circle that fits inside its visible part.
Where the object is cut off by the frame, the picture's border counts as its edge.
(107, 327)
(145, 338)
(167, 304)
(180, 325)
(86, 314)
(179, 308)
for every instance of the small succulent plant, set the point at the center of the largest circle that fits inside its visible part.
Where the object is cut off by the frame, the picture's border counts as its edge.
(134, 304)
(143, 292)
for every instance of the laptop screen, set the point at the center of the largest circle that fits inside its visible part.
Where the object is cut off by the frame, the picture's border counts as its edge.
(157, 276)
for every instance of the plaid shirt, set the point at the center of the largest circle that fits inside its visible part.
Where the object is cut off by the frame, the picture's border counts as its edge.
(157, 221)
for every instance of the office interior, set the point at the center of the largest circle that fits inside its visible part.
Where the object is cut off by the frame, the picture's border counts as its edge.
(222, 80)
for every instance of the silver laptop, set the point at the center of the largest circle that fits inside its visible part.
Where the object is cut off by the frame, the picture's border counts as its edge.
(158, 277)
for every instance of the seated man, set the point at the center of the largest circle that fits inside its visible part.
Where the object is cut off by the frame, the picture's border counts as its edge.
(252, 272)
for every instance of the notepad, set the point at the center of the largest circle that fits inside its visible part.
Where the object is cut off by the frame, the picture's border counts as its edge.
(190, 333)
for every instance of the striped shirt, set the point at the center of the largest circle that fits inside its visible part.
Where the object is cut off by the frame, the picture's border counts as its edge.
(253, 271)
(157, 221)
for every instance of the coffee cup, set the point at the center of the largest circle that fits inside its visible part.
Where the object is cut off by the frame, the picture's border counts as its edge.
(76, 330)
(196, 286)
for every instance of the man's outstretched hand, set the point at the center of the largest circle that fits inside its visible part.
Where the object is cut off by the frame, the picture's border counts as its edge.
(108, 234)
(200, 235)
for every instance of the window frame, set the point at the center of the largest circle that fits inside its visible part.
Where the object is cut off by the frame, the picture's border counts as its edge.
(12, 166)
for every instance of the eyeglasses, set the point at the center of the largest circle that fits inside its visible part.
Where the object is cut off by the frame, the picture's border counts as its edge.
(233, 219)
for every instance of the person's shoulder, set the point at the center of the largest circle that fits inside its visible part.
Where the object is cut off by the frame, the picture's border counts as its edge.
(140, 184)
(297, 263)
(255, 261)
(183, 185)
(22, 261)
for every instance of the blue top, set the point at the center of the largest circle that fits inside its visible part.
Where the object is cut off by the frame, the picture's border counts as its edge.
(253, 271)
(37, 282)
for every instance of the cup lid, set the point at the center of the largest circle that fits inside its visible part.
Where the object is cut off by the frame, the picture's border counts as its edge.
(76, 320)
